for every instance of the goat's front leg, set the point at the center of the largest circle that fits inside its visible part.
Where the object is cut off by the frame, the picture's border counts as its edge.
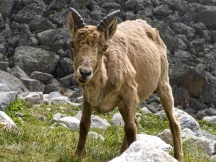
(128, 112)
(84, 127)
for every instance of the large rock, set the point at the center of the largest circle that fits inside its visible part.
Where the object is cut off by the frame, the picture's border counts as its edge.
(18, 72)
(6, 98)
(154, 141)
(33, 85)
(191, 79)
(64, 67)
(181, 28)
(43, 77)
(79, 3)
(4, 87)
(40, 24)
(12, 82)
(54, 39)
(29, 12)
(54, 85)
(205, 144)
(139, 151)
(6, 6)
(35, 59)
(207, 17)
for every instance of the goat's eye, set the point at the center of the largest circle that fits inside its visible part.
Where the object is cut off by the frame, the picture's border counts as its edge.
(105, 48)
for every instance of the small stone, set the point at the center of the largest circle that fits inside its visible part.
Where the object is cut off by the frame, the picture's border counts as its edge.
(19, 114)
(117, 119)
(145, 110)
(96, 136)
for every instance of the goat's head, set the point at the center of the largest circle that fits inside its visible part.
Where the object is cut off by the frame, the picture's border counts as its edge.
(89, 43)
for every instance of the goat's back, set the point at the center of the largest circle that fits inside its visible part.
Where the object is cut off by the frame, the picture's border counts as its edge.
(137, 49)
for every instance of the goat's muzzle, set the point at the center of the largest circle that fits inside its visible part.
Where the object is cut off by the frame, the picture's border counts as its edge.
(84, 74)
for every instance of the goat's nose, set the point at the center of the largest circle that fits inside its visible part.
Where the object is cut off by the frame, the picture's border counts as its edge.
(85, 72)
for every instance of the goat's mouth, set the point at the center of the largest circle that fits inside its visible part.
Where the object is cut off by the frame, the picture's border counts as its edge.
(82, 81)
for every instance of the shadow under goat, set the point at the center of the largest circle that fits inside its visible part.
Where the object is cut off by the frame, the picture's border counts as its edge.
(120, 66)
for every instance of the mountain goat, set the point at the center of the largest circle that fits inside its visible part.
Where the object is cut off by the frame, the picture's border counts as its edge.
(119, 66)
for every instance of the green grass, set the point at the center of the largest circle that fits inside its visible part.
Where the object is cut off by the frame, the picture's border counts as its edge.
(36, 141)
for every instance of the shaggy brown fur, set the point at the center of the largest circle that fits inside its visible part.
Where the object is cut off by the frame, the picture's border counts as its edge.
(120, 71)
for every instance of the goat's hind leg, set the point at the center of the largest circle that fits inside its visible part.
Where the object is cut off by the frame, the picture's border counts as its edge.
(165, 93)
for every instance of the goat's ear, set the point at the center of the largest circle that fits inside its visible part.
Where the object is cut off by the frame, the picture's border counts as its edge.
(70, 24)
(111, 29)
(74, 21)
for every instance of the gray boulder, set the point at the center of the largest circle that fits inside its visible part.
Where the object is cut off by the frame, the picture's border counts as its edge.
(139, 151)
(6, 121)
(70, 122)
(97, 122)
(4, 65)
(32, 59)
(54, 39)
(39, 24)
(12, 82)
(54, 95)
(210, 119)
(117, 119)
(192, 79)
(145, 110)
(18, 72)
(162, 10)
(67, 81)
(27, 2)
(54, 85)
(33, 85)
(60, 100)
(204, 17)
(154, 141)
(166, 136)
(6, 98)
(29, 12)
(181, 28)
(206, 113)
(1, 21)
(34, 97)
(57, 116)
(4, 87)
(79, 3)
(6, 6)
(94, 135)
(64, 67)
(203, 143)
(43, 77)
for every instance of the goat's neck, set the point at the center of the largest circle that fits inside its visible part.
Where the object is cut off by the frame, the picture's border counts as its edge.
(93, 91)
